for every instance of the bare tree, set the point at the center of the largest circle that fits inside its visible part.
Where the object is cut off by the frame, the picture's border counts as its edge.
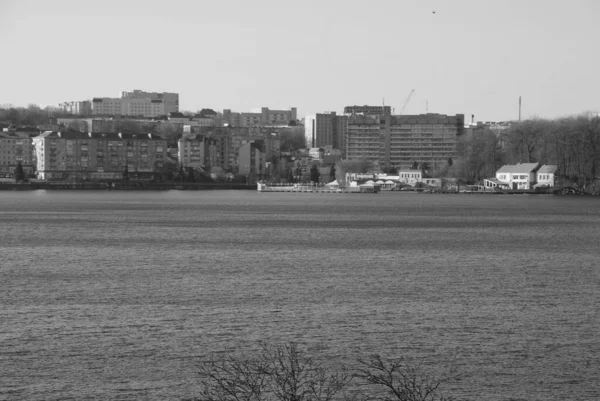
(232, 379)
(395, 380)
(277, 373)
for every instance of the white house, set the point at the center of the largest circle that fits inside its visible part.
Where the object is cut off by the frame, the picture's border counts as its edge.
(410, 177)
(546, 176)
(514, 176)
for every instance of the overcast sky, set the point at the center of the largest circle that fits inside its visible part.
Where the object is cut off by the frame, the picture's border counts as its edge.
(471, 56)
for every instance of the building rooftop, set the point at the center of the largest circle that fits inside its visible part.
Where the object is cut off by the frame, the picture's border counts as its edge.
(547, 169)
(97, 135)
(518, 168)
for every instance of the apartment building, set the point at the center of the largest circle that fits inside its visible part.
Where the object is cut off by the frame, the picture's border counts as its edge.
(251, 160)
(368, 110)
(15, 149)
(363, 137)
(271, 137)
(73, 155)
(326, 130)
(264, 116)
(399, 141)
(81, 108)
(169, 100)
(194, 151)
(137, 103)
(127, 107)
(424, 138)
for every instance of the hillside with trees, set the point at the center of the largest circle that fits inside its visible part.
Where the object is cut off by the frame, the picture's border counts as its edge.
(571, 143)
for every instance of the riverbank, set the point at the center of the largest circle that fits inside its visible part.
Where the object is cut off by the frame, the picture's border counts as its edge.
(122, 185)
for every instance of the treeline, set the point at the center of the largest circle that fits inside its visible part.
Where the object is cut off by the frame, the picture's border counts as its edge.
(571, 143)
(31, 115)
(285, 373)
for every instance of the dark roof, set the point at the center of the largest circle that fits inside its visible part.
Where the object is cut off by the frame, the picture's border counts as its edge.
(177, 114)
(98, 135)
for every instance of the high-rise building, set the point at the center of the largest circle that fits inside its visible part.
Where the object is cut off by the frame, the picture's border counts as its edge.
(326, 130)
(424, 138)
(399, 141)
(363, 137)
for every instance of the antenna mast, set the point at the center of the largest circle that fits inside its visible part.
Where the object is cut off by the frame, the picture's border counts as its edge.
(519, 108)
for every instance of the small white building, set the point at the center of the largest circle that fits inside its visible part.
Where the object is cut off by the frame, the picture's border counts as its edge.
(546, 176)
(432, 182)
(514, 176)
(410, 177)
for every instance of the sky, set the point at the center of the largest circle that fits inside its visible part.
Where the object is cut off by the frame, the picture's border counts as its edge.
(474, 57)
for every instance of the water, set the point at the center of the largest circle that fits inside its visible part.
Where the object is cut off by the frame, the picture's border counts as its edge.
(117, 295)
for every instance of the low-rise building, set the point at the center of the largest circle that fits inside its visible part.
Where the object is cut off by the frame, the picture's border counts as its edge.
(546, 176)
(410, 177)
(514, 176)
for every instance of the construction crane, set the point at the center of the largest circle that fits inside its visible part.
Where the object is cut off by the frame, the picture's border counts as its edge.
(406, 102)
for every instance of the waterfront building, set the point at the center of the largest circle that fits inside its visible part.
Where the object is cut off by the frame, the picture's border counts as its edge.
(15, 149)
(424, 138)
(363, 137)
(263, 116)
(516, 176)
(400, 141)
(410, 177)
(251, 160)
(194, 151)
(73, 155)
(546, 176)
(222, 146)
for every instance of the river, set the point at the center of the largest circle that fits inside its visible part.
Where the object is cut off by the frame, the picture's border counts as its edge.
(118, 295)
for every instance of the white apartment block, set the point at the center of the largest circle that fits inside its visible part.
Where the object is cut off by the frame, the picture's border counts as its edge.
(136, 103)
(170, 100)
(82, 108)
(259, 117)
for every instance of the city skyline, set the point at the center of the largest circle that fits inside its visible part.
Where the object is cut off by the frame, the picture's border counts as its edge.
(467, 58)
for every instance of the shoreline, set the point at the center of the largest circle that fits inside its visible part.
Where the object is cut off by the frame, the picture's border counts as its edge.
(189, 186)
(123, 186)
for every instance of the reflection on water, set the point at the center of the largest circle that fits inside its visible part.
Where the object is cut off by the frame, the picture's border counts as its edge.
(116, 294)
